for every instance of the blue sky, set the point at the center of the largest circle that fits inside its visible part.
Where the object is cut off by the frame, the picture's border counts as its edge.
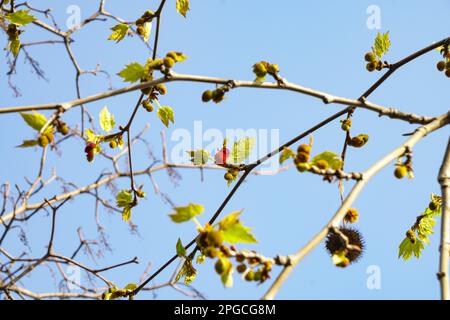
(319, 44)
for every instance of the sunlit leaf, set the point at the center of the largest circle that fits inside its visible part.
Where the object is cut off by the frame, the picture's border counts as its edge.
(166, 115)
(241, 149)
(181, 251)
(34, 120)
(183, 214)
(132, 72)
(382, 44)
(334, 161)
(119, 32)
(106, 120)
(234, 231)
(182, 7)
(20, 17)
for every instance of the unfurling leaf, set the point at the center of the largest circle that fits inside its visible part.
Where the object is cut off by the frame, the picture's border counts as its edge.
(183, 7)
(14, 46)
(334, 161)
(181, 251)
(124, 199)
(382, 44)
(106, 120)
(20, 17)
(242, 149)
(165, 114)
(183, 214)
(407, 248)
(227, 275)
(199, 157)
(28, 144)
(34, 120)
(188, 272)
(132, 72)
(119, 32)
(234, 231)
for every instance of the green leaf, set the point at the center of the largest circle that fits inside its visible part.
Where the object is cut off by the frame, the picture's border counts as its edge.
(188, 272)
(183, 7)
(425, 228)
(233, 231)
(34, 120)
(242, 149)
(124, 199)
(14, 46)
(119, 32)
(334, 161)
(132, 72)
(407, 249)
(165, 114)
(382, 44)
(28, 144)
(227, 276)
(147, 30)
(183, 214)
(131, 286)
(106, 120)
(181, 251)
(20, 18)
(286, 154)
(199, 157)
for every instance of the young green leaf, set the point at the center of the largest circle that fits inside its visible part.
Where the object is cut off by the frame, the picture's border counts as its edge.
(20, 17)
(165, 114)
(227, 275)
(28, 144)
(124, 199)
(132, 72)
(14, 46)
(334, 161)
(183, 7)
(34, 120)
(242, 149)
(188, 272)
(181, 251)
(382, 44)
(199, 157)
(119, 32)
(131, 286)
(407, 248)
(233, 231)
(106, 120)
(286, 154)
(183, 214)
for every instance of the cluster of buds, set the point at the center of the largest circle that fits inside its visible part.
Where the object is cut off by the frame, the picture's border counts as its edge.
(45, 138)
(13, 32)
(346, 124)
(253, 268)
(262, 68)
(217, 95)
(373, 63)
(444, 65)
(302, 158)
(159, 89)
(61, 127)
(140, 23)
